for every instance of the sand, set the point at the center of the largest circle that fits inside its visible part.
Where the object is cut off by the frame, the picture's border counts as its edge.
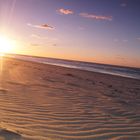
(44, 102)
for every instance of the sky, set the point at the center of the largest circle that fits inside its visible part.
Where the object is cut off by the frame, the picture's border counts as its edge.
(101, 31)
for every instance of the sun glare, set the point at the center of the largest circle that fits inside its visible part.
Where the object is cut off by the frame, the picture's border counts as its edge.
(6, 45)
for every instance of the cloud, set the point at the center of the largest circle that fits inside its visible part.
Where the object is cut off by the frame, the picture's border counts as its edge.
(35, 36)
(116, 40)
(120, 57)
(120, 40)
(54, 45)
(81, 28)
(138, 38)
(38, 36)
(123, 4)
(96, 17)
(33, 44)
(65, 11)
(125, 40)
(42, 26)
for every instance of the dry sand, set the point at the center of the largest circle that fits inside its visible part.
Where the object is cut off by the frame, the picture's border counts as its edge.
(44, 102)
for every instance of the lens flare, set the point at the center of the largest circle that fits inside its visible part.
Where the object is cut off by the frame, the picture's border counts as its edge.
(6, 45)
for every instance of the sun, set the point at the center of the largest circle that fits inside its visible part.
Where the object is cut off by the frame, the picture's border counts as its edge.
(6, 45)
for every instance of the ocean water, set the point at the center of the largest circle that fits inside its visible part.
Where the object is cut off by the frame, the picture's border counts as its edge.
(94, 67)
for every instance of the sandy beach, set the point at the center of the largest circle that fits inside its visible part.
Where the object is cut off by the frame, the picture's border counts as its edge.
(45, 102)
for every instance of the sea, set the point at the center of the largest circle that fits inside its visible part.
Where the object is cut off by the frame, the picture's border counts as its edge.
(129, 72)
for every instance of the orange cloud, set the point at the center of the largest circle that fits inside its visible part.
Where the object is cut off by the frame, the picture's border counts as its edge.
(43, 26)
(94, 16)
(65, 11)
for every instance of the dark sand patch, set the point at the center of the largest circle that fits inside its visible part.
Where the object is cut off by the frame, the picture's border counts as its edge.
(9, 135)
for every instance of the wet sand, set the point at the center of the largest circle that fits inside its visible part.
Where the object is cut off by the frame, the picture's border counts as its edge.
(44, 102)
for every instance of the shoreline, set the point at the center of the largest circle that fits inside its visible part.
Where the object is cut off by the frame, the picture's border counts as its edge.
(71, 67)
(71, 60)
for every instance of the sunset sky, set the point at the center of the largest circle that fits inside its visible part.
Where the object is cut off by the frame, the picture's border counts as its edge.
(102, 31)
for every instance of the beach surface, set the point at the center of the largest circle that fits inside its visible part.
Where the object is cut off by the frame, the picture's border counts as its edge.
(45, 102)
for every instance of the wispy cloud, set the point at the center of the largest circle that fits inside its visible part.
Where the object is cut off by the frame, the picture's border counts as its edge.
(81, 28)
(96, 17)
(120, 57)
(35, 45)
(38, 36)
(54, 44)
(125, 40)
(65, 11)
(120, 40)
(42, 26)
(138, 38)
(116, 40)
(123, 4)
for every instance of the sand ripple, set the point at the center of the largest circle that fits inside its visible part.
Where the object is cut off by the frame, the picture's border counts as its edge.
(55, 105)
(66, 115)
